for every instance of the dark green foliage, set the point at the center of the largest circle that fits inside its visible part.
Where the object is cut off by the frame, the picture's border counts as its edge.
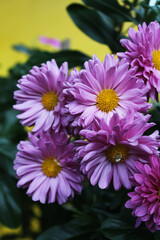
(10, 210)
(103, 20)
(157, 235)
(22, 48)
(89, 21)
(113, 9)
(37, 57)
(74, 58)
(155, 117)
(122, 227)
(7, 154)
(149, 13)
(65, 232)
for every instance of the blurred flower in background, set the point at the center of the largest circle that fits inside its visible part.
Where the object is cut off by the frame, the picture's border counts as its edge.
(55, 43)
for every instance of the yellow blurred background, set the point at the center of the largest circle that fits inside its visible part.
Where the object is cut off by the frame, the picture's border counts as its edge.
(23, 21)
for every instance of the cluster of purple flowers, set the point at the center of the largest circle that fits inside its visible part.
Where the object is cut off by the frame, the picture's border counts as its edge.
(106, 104)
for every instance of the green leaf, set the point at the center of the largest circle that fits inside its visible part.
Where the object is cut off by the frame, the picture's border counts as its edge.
(139, 14)
(153, 14)
(157, 235)
(113, 227)
(95, 24)
(122, 227)
(6, 94)
(120, 197)
(22, 48)
(10, 127)
(90, 22)
(155, 112)
(73, 57)
(10, 211)
(112, 8)
(65, 232)
(7, 154)
(146, 13)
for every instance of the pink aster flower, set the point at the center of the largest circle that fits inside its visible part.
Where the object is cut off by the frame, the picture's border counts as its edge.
(40, 97)
(143, 51)
(56, 43)
(110, 150)
(102, 89)
(145, 200)
(47, 172)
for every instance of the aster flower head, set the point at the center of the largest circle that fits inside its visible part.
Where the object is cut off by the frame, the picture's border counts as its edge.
(110, 150)
(143, 51)
(102, 89)
(40, 97)
(145, 200)
(48, 173)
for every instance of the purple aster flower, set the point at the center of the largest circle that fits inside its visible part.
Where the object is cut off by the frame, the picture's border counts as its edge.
(145, 200)
(110, 150)
(143, 51)
(102, 89)
(49, 173)
(40, 97)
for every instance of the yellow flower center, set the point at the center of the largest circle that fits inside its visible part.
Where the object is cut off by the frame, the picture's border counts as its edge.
(118, 153)
(159, 192)
(156, 59)
(51, 167)
(107, 100)
(49, 100)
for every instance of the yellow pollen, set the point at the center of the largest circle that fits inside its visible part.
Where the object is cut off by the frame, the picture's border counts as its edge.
(51, 167)
(118, 153)
(107, 100)
(159, 192)
(49, 100)
(156, 59)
